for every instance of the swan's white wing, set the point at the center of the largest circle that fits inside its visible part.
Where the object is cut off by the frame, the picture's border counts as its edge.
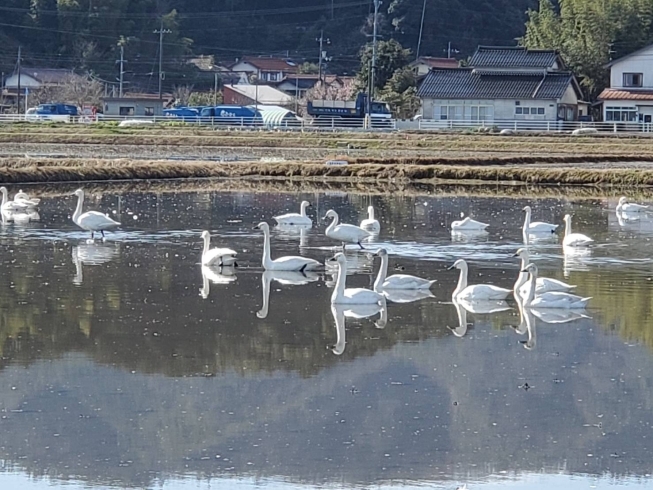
(577, 240)
(295, 263)
(293, 218)
(483, 292)
(405, 281)
(541, 227)
(350, 233)
(371, 225)
(630, 208)
(95, 221)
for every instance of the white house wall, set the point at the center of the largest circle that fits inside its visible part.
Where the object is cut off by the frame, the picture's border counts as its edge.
(570, 96)
(502, 109)
(637, 63)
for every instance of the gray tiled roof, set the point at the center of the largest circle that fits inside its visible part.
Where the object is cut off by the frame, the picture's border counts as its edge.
(512, 57)
(466, 83)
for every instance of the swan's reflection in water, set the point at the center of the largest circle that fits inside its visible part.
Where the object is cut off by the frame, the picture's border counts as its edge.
(478, 307)
(92, 254)
(357, 262)
(467, 236)
(340, 312)
(285, 278)
(294, 231)
(20, 217)
(223, 275)
(575, 259)
(406, 295)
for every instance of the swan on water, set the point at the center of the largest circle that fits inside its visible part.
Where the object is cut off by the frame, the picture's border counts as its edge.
(371, 224)
(624, 206)
(14, 206)
(543, 284)
(468, 224)
(343, 232)
(552, 299)
(536, 227)
(574, 239)
(476, 291)
(217, 256)
(352, 296)
(92, 221)
(295, 218)
(397, 281)
(288, 263)
(24, 198)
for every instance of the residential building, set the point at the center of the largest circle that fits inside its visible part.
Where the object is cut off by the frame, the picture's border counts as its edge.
(630, 95)
(143, 105)
(503, 84)
(424, 64)
(266, 69)
(33, 78)
(243, 94)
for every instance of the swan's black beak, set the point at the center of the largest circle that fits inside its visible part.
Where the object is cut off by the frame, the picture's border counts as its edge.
(515, 255)
(525, 271)
(256, 228)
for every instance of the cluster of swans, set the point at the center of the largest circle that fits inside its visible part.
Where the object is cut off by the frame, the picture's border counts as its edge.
(22, 208)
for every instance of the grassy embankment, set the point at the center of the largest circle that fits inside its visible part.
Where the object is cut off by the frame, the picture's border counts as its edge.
(418, 157)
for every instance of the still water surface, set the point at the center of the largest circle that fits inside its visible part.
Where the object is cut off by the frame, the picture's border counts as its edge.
(126, 364)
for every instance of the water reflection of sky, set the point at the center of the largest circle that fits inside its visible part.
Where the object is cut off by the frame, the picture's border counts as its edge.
(116, 370)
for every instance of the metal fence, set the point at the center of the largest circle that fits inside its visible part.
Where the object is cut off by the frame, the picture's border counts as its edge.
(336, 124)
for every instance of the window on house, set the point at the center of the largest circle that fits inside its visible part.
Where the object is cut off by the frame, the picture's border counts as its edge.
(621, 114)
(530, 111)
(633, 79)
(518, 110)
(149, 111)
(126, 111)
(540, 111)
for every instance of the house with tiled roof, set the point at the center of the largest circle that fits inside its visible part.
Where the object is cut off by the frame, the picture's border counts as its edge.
(502, 84)
(630, 95)
(33, 78)
(422, 65)
(266, 69)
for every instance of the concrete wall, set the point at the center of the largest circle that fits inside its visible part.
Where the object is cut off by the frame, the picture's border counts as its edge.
(638, 63)
(112, 107)
(501, 109)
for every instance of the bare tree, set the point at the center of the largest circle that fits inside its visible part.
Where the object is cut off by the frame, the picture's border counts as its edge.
(181, 94)
(74, 89)
(337, 90)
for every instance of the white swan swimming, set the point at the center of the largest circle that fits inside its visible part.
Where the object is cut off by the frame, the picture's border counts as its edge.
(468, 224)
(536, 227)
(343, 232)
(397, 281)
(543, 284)
(285, 278)
(553, 299)
(217, 256)
(476, 291)
(287, 263)
(295, 218)
(624, 206)
(8, 205)
(574, 239)
(91, 220)
(370, 223)
(24, 198)
(352, 296)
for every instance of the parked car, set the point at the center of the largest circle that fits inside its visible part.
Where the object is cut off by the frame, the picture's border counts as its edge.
(53, 112)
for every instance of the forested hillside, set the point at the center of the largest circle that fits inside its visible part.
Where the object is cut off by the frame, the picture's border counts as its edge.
(84, 34)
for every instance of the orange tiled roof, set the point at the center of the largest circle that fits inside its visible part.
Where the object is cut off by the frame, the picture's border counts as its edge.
(624, 94)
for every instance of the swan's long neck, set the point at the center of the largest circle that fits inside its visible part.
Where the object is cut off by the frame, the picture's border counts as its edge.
(523, 276)
(531, 290)
(462, 281)
(333, 224)
(370, 212)
(339, 290)
(4, 197)
(78, 209)
(568, 226)
(207, 243)
(383, 272)
(302, 210)
(527, 225)
(266, 249)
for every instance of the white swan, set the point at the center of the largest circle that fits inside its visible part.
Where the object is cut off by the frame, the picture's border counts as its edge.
(574, 239)
(288, 263)
(371, 224)
(25, 199)
(91, 220)
(536, 227)
(468, 224)
(352, 296)
(295, 218)
(553, 299)
(397, 281)
(217, 256)
(8, 205)
(543, 284)
(624, 206)
(477, 291)
(345, 233)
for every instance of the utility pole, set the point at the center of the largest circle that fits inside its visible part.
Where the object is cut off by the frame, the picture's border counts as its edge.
(421, 29)
(161, 32)
(331, 9)
(449, 50)
(215, 89)
(122, 65)
(18, 91)
(370, 97)
(323, 56)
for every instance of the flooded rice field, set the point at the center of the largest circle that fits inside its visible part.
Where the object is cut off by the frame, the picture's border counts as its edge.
(127, 364)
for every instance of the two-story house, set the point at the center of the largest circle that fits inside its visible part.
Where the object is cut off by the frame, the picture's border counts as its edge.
(503, 84)
(630, 96)
(266, 69)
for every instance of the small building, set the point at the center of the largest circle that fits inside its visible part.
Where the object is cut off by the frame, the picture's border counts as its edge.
(422, 65)
(630, 95)
(243, 94)
(503, 84)
(33, 78)
(137, 105)
(266, 69)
